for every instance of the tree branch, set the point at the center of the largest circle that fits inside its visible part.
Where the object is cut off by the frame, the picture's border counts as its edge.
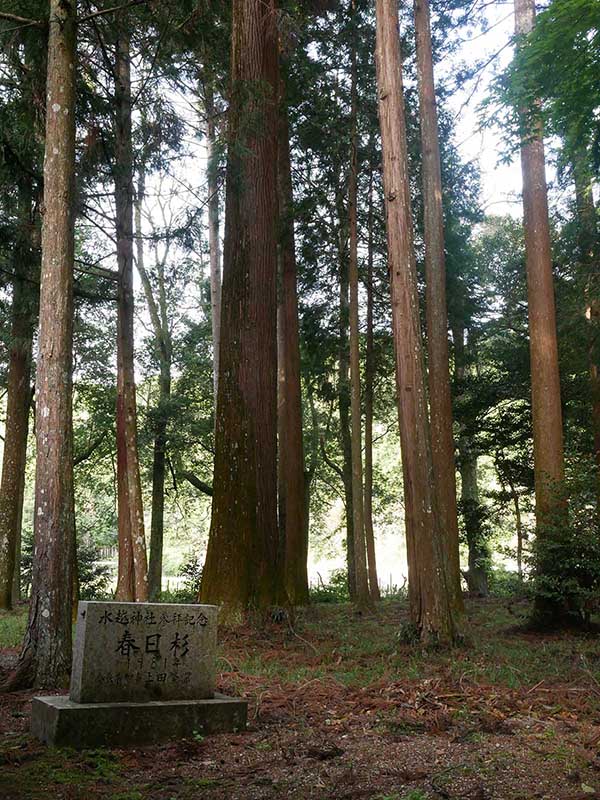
(85, 454)
(197, 483)
(329, 462)
(114, 9)
(21, 20)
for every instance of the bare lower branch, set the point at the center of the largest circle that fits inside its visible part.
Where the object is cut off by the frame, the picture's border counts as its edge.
(114, 9)
(21, 20)
(197, 483)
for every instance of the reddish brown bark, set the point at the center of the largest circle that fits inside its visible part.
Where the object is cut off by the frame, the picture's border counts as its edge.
(18, 390)
(545, 380)
(430, 603)
(242, 569)
(45, 660)
(440, 397)
(291, 448)
(369, 386)
(358, 515)
(133, 567)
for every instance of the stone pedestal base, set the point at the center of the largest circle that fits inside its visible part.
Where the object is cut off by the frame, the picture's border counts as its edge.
(60, 722)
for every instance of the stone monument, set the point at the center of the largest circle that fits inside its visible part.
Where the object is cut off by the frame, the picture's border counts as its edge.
(142, 673)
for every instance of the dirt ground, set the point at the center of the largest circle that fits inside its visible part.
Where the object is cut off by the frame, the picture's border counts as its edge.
(339, 708)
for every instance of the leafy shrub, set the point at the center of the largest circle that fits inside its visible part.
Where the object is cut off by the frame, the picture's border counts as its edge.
(95, 577)
(506, 583)
(566, 561)
(191, 571)
(335, 591)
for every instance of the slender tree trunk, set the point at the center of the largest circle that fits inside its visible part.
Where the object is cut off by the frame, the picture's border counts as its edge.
(214, 244)
(478, 554)
(344, 401)
(133, 567)
(360, 555)
(440, 397)
(23, 315)
(291, 449)
(369, 385)
(477, 576)
(242, 569)
(430, 601)
(545, 381)
(45, 659)
(589, 253)
(519, 527)
(163, 347)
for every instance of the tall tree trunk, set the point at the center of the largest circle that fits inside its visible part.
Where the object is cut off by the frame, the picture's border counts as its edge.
(477, 575)
(45, 659)
(440, 397)
(369, 385)
(344, 393)
(519, 527)
(358, 516)
(545, 381)
(242, 568)
(23, 316)
(291, 449)
(163, 348)
(478, 555)
(430, 601)
(589, 253)
(214, 243)
(133, 566)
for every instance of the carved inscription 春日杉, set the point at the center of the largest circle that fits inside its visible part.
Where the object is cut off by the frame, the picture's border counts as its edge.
(156, 658)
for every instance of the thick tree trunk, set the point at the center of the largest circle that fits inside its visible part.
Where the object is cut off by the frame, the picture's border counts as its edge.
(23, 316)
(242, 569)
(369, 386)
(440, 397)
(291, 449)
(45, 660)
(214, 242)
(430, 601)
(133, 566)
(358, 516)
(545, 381)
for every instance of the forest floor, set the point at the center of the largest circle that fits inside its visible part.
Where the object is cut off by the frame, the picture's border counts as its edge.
(339, 708)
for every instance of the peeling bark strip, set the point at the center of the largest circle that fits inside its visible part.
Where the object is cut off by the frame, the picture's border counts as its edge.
(545, 381)
(241, 569)
(291, 449)
(440, 397)
(133, 566)
(45, 660)
(430, 605)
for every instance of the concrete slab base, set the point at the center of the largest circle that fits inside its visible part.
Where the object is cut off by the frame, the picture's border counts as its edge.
(60, 722)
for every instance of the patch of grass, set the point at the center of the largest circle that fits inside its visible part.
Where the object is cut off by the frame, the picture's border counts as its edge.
(201, 783)
(12, 626)
(56, 767)
(131, 795)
